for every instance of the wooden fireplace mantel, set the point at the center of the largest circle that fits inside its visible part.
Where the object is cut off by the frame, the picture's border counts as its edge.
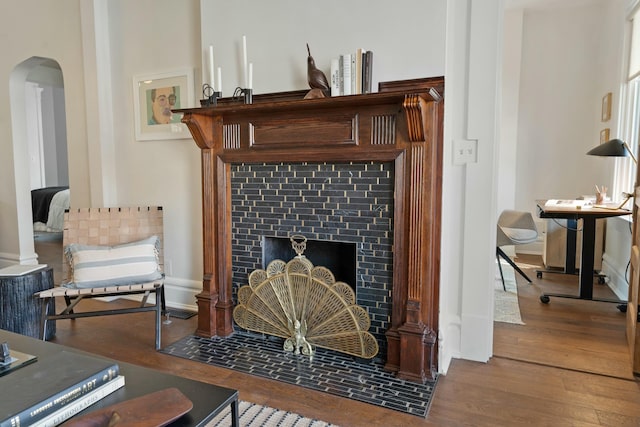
(402, 123)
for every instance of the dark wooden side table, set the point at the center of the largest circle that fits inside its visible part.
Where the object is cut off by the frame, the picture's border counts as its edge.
(20, 311)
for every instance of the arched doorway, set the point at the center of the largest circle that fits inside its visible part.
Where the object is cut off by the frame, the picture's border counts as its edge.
(39, 140)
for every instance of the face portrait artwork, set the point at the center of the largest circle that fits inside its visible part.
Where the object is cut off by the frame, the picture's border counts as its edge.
(160, 102)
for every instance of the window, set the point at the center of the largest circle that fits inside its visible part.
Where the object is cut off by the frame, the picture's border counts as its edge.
(629, 127)
(629, 119)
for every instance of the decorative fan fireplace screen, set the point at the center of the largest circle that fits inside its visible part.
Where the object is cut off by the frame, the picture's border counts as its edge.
(306, 306)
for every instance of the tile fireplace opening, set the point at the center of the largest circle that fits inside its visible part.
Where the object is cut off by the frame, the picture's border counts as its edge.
(339, 257)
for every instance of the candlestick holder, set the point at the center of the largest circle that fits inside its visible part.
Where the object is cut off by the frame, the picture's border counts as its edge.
(248, 96)
(245, 94)
(209, 95)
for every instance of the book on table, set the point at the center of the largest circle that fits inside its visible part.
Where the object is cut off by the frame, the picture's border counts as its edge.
(573, 203)
(79, 405)
(50, 384)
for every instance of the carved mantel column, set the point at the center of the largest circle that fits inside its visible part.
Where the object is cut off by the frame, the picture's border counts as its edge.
(215, 308)
(413, 336)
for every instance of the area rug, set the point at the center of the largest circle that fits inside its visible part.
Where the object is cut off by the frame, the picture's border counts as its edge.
(253, 415)
(328, 371)
(506, 308)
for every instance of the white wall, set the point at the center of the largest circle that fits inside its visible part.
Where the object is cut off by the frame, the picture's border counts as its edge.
(615, 260)
(145, 38)
(407, 40)
(561, 88)
(570, 57)
(511, 65)
(475, 51)
(55, 136)
(40, 36)
(103, 44)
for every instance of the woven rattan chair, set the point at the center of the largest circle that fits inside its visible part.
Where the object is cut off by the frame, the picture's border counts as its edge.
(107, 227)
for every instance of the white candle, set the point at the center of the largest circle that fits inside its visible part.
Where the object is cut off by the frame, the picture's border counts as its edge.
(244, 60)
(250, 76)
(211, 69)
(219, 86)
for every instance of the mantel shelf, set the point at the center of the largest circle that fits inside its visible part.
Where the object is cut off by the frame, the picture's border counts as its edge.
(274, 103)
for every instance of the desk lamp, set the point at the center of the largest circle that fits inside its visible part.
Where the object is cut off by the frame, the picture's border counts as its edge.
(615, 148)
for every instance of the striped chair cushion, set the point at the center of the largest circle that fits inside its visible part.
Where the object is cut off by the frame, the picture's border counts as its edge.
(104, 266)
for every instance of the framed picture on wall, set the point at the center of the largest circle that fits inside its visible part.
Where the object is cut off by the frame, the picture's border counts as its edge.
(604, 135)
(154, 98)
(606, 107)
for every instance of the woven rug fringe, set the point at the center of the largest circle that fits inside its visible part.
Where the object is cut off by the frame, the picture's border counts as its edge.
(254, 415)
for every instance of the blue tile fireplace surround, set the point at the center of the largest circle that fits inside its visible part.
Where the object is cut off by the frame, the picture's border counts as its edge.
(351, 202)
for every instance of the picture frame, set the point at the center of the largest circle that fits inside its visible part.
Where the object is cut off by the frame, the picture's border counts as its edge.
(604, 135)
(606, 107)
(154, 98)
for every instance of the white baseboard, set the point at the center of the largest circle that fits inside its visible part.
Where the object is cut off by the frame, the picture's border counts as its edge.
(448, 344)
(7, 259)
(179, 294)
(535, 248)
(616, 278)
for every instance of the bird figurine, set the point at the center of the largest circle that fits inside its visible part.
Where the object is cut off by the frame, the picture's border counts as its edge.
(316, 78)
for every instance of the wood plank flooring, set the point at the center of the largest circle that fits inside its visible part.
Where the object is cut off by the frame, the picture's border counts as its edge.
(540, 375)
(594, 332)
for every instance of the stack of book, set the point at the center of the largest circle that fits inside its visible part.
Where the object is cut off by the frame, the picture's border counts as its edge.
(351, 73)
(54, 389)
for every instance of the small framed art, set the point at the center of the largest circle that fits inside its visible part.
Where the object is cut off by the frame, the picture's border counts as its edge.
(606, 107)
(155, 96)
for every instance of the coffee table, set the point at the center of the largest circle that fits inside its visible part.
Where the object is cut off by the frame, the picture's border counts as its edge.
(208, 399)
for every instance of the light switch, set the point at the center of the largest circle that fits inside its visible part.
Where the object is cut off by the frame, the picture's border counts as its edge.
(465, 151)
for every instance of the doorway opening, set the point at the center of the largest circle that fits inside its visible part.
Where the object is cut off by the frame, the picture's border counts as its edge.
(39, 127)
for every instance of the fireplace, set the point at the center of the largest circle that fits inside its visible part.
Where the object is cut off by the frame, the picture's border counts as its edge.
(399, 130)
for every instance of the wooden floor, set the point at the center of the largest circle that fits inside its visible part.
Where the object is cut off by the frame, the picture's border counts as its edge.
(536, 377)
(594, 331)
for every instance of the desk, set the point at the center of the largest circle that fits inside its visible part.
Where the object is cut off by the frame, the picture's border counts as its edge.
(588, 216)
(208, 400)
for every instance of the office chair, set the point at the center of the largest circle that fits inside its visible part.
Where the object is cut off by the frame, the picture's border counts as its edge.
(514, 228)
